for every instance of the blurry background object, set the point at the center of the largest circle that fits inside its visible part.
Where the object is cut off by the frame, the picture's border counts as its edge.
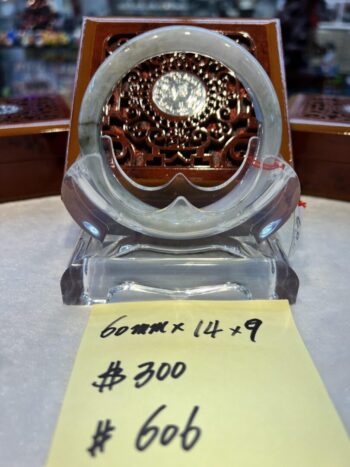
(314, 33)
(321, 141)
(38, 47)
(37, 15)
(33, 139)
(299, 18)
(38, 38)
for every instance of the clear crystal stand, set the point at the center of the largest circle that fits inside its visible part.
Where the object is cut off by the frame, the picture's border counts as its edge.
(133, 268)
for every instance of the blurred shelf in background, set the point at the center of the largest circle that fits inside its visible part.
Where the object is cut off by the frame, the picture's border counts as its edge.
(39, 39)
(33, 140)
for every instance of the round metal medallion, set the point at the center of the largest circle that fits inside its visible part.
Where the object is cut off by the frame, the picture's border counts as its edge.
(179, 94)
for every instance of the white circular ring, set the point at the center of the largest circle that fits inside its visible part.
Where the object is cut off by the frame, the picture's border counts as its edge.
(129, 210)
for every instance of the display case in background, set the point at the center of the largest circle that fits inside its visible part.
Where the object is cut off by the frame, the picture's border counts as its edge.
(38, 50)
(33, 139)
(321, 140)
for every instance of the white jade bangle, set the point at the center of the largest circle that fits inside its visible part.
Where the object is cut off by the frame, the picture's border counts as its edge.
(107, 195)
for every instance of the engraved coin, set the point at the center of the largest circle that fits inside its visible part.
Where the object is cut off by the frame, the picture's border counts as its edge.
(179, 94)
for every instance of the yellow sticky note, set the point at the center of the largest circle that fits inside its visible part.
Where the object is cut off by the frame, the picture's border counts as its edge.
(196, 384)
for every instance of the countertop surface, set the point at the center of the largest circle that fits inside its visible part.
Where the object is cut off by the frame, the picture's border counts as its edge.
(39, 336)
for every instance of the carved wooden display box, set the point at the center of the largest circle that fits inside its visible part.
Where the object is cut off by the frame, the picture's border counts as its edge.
(321, 141)
(150, 145)
(33, 140)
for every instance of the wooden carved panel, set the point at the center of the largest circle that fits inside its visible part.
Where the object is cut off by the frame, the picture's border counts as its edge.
(152, 146)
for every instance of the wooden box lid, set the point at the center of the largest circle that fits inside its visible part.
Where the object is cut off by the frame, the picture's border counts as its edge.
(33, 115)
(317, 113)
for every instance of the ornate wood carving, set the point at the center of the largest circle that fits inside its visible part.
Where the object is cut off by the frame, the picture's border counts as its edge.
(152, 146)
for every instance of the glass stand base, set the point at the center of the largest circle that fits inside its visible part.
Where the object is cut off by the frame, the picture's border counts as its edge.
(133, 268)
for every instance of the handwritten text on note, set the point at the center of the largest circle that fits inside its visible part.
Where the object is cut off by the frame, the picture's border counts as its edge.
(196, 384)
